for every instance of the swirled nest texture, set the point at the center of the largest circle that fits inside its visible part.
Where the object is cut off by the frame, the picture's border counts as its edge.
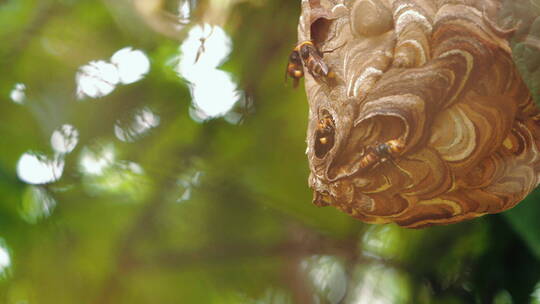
(436, 76)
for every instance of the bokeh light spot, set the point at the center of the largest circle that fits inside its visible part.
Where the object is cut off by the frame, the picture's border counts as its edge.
(36, 168)
(18, 94)
(94, 162)
(132, 64)
(5, 259)
(216, 94)
(96, 79)
(384, 241)
(206, 47)
(187, 183)
(380, 284)
(65, 139)
(184, 12)
(535, 295)
(139, 124)
(37, 204)
(328, 276)
(213, 91)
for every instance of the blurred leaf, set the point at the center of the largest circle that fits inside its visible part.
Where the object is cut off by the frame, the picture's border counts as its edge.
(524, 219)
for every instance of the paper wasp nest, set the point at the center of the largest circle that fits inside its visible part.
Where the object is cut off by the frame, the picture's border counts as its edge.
(426, 120)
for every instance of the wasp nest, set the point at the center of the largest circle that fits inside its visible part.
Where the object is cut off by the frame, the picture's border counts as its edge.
(425, 119)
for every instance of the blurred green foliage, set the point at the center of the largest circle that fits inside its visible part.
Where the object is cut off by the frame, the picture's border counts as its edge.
(207, 211)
